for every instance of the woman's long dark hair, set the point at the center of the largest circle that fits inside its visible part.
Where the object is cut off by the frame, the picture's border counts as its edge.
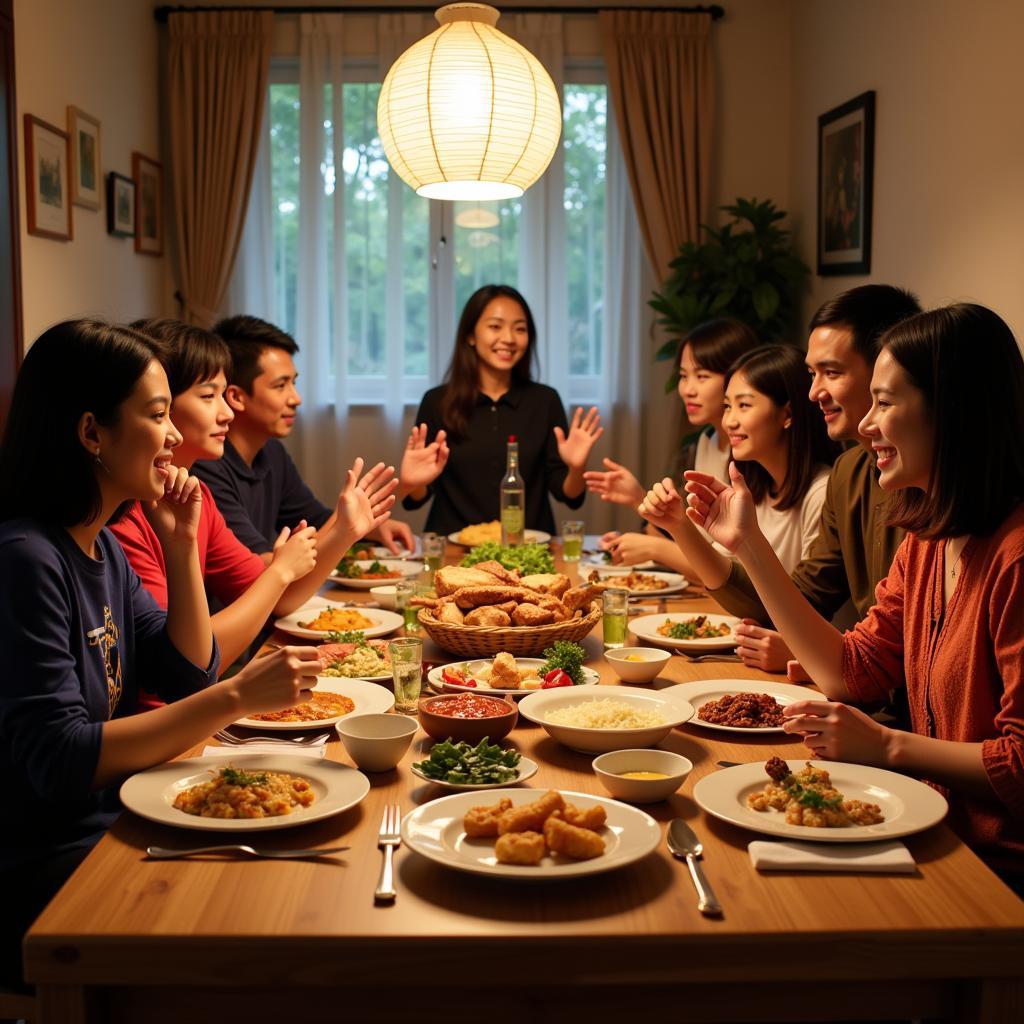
(977, 475)
(75, 367)
(462, 378)
(779, 372)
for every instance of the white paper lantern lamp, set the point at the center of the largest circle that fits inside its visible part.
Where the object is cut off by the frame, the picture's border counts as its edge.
(468, 113)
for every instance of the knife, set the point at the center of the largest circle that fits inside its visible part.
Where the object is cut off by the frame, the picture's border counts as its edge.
(685, 845)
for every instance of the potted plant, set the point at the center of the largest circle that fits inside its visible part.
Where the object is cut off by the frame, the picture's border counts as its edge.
(746, 269)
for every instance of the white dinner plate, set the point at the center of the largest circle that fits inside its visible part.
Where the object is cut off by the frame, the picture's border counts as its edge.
(527, 770)
(369, 699)
(704, 690)
(435, 831)
(598, 561)
(436, 679)
(405, 569)
(532, 537)
(646, 627)
(151, 793)
(384, 622)
(908, 805)
(674, 582)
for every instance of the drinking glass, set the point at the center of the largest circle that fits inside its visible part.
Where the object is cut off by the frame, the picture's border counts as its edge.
(407, 672)
(433, 552)
(615, 605)
(572, 539)
(404, 592)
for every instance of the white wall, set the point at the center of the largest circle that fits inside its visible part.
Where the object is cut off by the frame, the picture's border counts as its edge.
(949, 141)
(101, 56)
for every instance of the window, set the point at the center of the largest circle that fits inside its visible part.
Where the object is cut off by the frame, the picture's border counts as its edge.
(407, 270)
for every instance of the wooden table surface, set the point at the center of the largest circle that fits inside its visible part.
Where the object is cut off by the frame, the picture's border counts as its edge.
(129, 939)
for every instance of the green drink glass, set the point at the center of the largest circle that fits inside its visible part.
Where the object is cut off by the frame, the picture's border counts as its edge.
(572, 539)
(407, 672)
(615, 606)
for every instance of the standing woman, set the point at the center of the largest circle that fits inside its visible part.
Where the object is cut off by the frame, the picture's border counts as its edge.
(489, 395)
(89, 433)
(948, 622)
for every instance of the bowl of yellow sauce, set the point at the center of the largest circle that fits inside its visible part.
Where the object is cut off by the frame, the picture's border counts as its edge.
(637, 664)
(641, 776)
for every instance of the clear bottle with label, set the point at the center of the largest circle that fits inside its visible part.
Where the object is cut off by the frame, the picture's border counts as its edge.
(513, 500)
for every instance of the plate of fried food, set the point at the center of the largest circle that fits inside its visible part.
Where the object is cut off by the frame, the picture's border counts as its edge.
(505, 675)
(362, 574)
(824, 801)
(319, 617)
(526, 834)
(688, 632)
(741, 705)
(490, 533)
(332, 700)
(654, 584)
(251, 792)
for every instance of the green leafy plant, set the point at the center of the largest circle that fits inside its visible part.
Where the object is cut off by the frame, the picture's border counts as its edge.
(746, 269)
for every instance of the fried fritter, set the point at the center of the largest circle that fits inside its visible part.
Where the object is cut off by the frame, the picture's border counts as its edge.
(505, 674)
(529, 614)
(481, 822)
(519, 848)
(578, 843)
(450, 578)
(531, 817)
(497, 570)
(592, 818)
(449, 611)
(554, 583)
(487, 615)
(473, 597)
(581, 596)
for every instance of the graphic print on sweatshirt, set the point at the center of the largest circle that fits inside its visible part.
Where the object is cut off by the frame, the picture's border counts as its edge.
(105, 638)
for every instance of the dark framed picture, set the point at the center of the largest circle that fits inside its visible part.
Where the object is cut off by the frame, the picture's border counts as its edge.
(149, 211)
(846, 167)
(86, 176)
(47, 190)
(120, 205)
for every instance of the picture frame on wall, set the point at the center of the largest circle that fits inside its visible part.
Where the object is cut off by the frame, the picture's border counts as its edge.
(149, 214)
(120, 205)
(47, 189)
(86, 173)
(846, 168)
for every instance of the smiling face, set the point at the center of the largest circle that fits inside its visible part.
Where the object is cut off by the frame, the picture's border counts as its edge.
(269, 409)
(702, 391)
(899, 428)
(136, 451)
(202, 416)
(754, 424)
(840, 381)
(501, 337)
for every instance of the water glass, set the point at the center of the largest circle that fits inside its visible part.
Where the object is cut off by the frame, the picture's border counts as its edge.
(404, 593)
(615, 605)
(407, 672)
(433, 552)
(572, 539)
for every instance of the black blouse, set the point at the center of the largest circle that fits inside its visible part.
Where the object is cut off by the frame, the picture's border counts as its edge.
(467, 491)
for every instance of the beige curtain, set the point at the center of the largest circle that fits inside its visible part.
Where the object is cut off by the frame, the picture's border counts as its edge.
(217, 71)
(661, 80)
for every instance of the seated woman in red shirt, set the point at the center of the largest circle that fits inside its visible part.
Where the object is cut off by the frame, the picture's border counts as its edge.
(948, 622)
(249, 591)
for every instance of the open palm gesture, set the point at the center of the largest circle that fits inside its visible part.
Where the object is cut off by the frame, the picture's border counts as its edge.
(423, 463)
(727, 512)
(584, 431)
(617, 484)
(365, 502)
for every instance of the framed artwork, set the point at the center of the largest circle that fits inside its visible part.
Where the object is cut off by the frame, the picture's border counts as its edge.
(47, 190)
(846, 158)
(86, 176)
(120, 205)
(149, 213)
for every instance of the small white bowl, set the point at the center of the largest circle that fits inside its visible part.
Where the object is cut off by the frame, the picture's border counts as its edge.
(385, 596)
(609, 769)
(646, 670)
(377, 742)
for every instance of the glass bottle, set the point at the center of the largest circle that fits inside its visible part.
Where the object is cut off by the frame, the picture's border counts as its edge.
(513, 499)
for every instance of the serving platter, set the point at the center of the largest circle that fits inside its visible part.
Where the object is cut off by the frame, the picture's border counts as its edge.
(406, 570)
(674, 582)
(369, 699)
(436, 677)
(646, 628)
(384, 622)
(527, 770)
(701, 692)
(531, 537)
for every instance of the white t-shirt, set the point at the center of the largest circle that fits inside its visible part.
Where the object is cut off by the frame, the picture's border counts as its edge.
(711, 459)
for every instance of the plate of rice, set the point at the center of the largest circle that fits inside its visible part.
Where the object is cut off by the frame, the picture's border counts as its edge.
(621, 718)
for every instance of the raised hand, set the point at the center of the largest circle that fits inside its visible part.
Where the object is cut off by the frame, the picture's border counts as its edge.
(663, 506)
(422, 463)
(584, 432)
(365, 502)
(617, 485)
(280, 680)
(394, 535)
(726, 512)
(838, 732)
(295, 552)
(175, 516)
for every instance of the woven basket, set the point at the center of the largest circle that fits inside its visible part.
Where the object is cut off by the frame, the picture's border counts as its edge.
(524, 641)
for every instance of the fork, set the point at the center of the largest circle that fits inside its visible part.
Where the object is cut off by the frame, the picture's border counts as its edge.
(301, 740)
(163, 853)
(387, 839)
(709, 657)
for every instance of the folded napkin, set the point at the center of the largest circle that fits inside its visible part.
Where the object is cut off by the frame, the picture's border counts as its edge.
(888, 857)
(270, 747)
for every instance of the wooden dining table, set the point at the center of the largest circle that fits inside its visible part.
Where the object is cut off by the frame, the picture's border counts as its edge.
(138, 940)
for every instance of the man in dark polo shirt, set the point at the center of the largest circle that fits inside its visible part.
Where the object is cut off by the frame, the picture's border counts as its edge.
(855, 547)
(256, 485)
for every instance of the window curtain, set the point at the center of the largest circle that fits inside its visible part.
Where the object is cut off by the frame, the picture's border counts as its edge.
(217, 71)
(661, 83)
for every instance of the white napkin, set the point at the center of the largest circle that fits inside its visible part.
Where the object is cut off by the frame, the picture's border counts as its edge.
(888, 857)
(319, 751)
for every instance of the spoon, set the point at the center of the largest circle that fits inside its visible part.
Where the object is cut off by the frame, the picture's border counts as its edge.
(685, 845)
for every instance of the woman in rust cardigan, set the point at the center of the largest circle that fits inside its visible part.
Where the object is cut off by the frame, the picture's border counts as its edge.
(948, 623)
